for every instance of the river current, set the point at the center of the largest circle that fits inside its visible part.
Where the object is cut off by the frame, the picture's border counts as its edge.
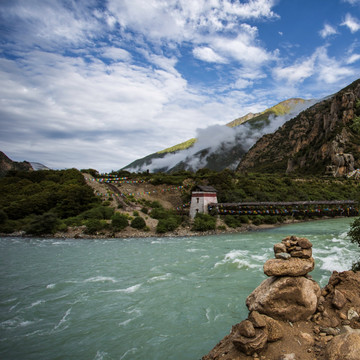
(144, 298)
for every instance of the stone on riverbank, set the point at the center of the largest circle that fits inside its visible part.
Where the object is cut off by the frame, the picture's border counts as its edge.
(285, 298)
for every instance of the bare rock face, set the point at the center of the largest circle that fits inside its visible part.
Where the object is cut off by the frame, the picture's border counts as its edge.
(285, 298)
(292, 267)
(345, 346)
(250, 345)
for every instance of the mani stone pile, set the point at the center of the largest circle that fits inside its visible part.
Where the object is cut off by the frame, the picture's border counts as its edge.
(289, 294)
(293, 257)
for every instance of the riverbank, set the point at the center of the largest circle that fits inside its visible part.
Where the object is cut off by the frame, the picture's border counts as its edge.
(79, 232)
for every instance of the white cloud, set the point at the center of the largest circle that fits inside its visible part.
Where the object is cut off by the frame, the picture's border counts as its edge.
(327, 31)
(353, 58)
(330, 70)
(295, 73)
(352, 23)
(116, 54)
(208, 54)
(352, 2)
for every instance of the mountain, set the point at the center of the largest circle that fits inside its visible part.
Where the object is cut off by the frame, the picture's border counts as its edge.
(324, 139)
(7, 164)
(220, 146)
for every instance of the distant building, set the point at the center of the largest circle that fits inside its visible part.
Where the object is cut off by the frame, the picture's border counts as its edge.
(201, 197)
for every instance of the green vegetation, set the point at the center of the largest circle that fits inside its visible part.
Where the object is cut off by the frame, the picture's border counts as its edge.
(119, 222)
(138, 223)
(183, 146)
(354, 235)
(44, 201)
(169, 220)
(204, 222)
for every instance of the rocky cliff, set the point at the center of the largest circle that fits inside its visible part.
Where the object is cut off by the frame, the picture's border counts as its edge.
(7, 164)
(291, 318)
(322, 139)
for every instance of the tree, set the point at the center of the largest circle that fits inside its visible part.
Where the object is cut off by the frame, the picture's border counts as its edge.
(138, 223)
(354, 235)
(43, 224)
(119, 222)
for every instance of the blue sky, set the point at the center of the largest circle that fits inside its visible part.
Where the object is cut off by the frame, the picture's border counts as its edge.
(98, 84)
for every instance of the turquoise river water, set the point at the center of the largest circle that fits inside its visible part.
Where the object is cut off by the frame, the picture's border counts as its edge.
(144, 298)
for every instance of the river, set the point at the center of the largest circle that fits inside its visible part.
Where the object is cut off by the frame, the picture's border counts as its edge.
(144, 298)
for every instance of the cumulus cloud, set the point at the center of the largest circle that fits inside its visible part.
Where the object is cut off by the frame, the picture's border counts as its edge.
(207, 54)
(327, 31)
(352, 23)
(295, 73)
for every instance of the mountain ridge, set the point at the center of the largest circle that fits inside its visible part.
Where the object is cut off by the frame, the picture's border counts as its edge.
(324, 139)
(226, 153)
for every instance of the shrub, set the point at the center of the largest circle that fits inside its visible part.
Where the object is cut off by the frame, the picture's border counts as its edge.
(93, 226)
(145, 210)
(135, 213)
(169, 224)
(138, 223)
(119, 222)
(3, 217)
(204, 222)
(258, 220)
(232, 221)
(43, 224)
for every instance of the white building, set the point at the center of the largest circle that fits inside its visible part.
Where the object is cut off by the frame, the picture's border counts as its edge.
(201, 198)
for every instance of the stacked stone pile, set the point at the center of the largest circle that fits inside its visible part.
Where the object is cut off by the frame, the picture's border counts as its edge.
(289, 294)
(291, 318)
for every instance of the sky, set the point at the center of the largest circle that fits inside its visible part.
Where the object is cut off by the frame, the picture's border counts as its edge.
(100, 83)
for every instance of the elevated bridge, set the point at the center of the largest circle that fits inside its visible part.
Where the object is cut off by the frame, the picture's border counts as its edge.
(294, 208)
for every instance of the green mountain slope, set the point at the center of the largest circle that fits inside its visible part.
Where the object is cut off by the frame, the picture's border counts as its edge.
(224, 154)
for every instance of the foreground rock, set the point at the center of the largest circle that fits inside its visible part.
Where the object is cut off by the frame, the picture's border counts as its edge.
(285, 298)
(292, 318)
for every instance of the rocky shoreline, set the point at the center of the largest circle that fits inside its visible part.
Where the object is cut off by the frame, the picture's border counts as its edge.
(291, 318)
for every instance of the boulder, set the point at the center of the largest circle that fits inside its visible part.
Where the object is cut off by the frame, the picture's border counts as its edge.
(246, 328)
(302, 253)
(283, 255)
(257, 319)
(304, 243)
(290, 267)
(285, 298)
(338, 300)
(279, 248)
(274, 329)
(251, 345)
(345, 346)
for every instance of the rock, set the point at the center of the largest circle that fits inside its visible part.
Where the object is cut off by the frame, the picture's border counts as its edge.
(279, 248)
(303, 253)
(304, 243)
(291, 267)
(352, 314)
(246, 328)
(273, 329)
(288, 357)
(257, 319)
(345, 346)
(285, 298)
(338, 300)
(283, 255)
(330, 331)
(307, 338)
(251, 345)
(342, 316)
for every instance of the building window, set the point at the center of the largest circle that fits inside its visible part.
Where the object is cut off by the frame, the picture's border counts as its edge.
(197, 200)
